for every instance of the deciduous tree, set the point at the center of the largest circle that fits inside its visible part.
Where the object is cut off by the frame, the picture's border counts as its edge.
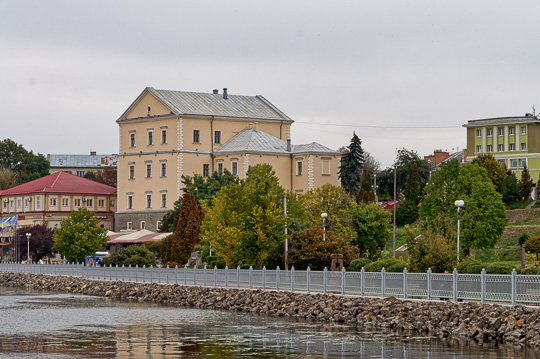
(27, 165)
(371, 226)
(107, 176)
(41, 241)
(495, 171)
(526, 183)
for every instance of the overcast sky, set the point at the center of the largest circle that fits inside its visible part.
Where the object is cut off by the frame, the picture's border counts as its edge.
(417, 69)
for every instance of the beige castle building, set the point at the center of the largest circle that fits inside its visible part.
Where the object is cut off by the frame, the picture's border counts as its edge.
(167, 134)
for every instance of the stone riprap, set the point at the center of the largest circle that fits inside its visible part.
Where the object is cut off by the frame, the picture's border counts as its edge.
(518, 324)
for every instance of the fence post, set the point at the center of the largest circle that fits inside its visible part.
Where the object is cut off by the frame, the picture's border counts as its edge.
(514, 287)
(362, 272)
(195, 275)
(429, 272)
(116, 272)
(250, 278)
(123, 277)
(343, 281)
(238, 277)
(483, 285)
(136, 273)
(383, 282)
(204, 276)
(325, 277)
(454, 284)
(151, 272)
(277, 278)
(215, 276)
(176, 274)
(129, 273)
(292, 279)
(185, 274)
(308, 279)
(405, 273)
(226, 276)
(167, 273)
(264, 277)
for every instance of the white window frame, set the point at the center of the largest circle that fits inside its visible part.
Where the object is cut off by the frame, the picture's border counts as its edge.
(234, 168)
(512, 147)
(163, 136)
(511, 131)
(523, 146)
(325, 164)
(89, 202)
(489, 132)
(523, 130)
(299, 168)
(38, 202)
(101, 203)
(132, 140)
(479, 133)
(163, 169)
(220, 166)
(65, 202)
(164, 200)
(131, 172)
(490, 148)
(150, 137)
(129, 226)
(500, 147)
(501, 131)
(196, 136)
(148, 170)
(52, 202)
(206, 170)
(129, 204)
(522, 162)
(501, 162)
(513, 163)
(148, 200)
(478, 149)
(142, 225)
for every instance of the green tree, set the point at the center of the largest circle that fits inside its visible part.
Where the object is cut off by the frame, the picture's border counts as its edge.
(367, 195)
(8, 178)
(429, 250)
(510, 188)
(25, 164)
(495, 171)
(407, 211)
(334, 201)
(350, 170)
(132, 255)
(187, 230)
(483, 217)
(526, 183)
(41, 241)
(91, 175)
(308, 249)
(107, 176)
(371, 226)
(533, 245)
(79, 236)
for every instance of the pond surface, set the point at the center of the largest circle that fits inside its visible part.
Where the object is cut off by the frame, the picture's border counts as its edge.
(45, 325)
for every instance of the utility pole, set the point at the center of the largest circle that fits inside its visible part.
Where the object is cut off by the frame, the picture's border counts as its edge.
(394, 235)
(286, 239)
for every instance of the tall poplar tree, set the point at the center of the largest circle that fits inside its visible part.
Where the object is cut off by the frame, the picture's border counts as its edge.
(350, 171)
(526, 183)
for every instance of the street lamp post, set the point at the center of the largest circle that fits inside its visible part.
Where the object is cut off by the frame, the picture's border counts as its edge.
(28, 235)
(324, 215)
(374, 186)
(459, 205)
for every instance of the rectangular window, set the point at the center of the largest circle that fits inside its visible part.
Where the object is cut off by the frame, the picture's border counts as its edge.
(131, 171)
(299, 169)
(511, 131)
(19, 203)
(81, 173)
(53, 202)
(129, 226)
(205, 170)
(131, 140)
(478, 133)
(523, 130)
(112, 203)
(77, 202)
(522, 162)
(478, 149)
(513, 163)
(150, 138)
(501, 163)
(129, 202)
(234, 168)
(220, 167)
(217, 137)
(501, 131)
(163, 137)
(38, 202)
(148, 170)
(500, 148)
(89, 203)
(11, 204)
(143, 225)
(489, 132)
(158, 225)
(195, 136)
(65, 202)
(490, 148)
(163, 169)
(148, 201)
(101, 203)
(512, 147)
(523, 146)
(325, 166)
(163, 200)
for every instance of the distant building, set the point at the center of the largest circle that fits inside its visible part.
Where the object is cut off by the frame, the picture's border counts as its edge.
(50, 199)
(513, 141)
(81, 164)
(439, 157)
(167, 134)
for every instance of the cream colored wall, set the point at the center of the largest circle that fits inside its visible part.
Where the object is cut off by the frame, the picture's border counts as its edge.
(319, 177)
(300, 182)
(141, 108)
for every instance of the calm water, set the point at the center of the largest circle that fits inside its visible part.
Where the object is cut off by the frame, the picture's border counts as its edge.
(44, 325)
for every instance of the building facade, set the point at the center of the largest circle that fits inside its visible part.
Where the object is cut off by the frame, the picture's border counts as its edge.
(50, 199)
(81, 164)
(513, 141)
(167, 134)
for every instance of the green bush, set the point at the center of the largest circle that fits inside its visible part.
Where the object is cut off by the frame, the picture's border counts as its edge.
(500, 268)
(469, 262)
(398, 267)
(216, 261)
(531, 270)
(134, 255)
(474, 269)
(377, 266)
(357, 264)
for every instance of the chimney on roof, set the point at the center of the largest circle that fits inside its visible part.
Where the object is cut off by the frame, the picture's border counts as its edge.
(289, 146)
(215, 91)
(92, 153)
(225, 93)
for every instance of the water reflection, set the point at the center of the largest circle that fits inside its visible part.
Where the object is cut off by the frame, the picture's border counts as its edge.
(65, 326)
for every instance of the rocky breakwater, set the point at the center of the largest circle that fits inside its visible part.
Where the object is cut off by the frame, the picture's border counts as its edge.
(517, 324)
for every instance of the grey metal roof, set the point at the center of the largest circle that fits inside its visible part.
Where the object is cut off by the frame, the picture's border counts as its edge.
(248, 140)
(81, 161)
(502, 121)
(209, 104)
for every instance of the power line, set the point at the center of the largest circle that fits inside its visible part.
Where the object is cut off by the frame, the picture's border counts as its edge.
(382, 127)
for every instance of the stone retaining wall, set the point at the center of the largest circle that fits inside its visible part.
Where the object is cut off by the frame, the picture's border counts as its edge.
(516, 324)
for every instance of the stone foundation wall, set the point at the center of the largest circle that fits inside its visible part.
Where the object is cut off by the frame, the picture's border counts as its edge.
(483, 322)
(150, 219)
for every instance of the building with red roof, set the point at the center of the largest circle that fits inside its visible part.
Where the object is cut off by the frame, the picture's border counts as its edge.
(52, 198)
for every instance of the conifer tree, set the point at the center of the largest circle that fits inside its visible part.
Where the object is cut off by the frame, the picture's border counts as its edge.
(526, 183)
(350, 171)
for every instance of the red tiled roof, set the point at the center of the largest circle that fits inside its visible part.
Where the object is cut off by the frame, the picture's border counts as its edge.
(60, 182)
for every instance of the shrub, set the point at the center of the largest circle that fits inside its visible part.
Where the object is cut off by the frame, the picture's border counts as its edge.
(357, 264)
(134, 255)
(212, 261)
(500, 268)
(377, 266)
(398, 267)
(531, 270)
(474, 269)
(172, 265)
(469, 262)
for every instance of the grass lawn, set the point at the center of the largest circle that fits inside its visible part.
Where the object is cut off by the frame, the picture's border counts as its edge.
(519, 204)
